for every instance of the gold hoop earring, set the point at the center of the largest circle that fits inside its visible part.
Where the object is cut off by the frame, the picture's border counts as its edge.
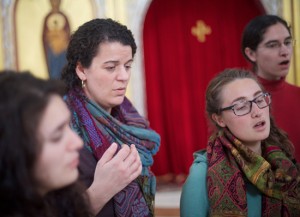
(82, 84)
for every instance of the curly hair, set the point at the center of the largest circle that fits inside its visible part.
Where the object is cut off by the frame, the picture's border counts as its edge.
(23, 100)
(254, 31)
(214, 101)
(84, 45)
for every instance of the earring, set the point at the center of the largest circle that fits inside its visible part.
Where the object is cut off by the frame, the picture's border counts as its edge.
(82, 84)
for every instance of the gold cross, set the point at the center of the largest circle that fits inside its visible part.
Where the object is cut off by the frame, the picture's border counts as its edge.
(200, 30)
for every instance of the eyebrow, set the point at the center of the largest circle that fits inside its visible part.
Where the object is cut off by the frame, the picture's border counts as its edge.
(61, 126)
(117, 61)
(289, 37)
(243, 98)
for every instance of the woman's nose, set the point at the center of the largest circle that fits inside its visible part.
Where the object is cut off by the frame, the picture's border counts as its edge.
(256, 111)
(284, 50)
(123, 74)
(75, 142)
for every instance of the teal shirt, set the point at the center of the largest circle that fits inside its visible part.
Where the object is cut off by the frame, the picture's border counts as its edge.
(194, 199)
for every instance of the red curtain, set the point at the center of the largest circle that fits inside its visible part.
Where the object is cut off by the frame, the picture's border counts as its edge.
(178, 68)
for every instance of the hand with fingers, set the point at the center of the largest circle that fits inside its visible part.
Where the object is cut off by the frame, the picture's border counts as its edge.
(113, 173)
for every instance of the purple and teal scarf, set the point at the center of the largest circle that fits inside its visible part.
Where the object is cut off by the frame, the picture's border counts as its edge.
(124, 125)
(230, 164)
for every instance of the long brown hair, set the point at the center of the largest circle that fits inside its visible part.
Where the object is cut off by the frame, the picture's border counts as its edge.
(213, 104)
(23, 100)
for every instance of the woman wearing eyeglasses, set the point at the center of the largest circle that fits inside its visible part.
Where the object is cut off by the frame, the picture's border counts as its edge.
(247, 167)
(268, 45)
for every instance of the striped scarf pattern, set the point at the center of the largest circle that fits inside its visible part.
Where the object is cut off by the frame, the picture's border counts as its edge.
(124, 125)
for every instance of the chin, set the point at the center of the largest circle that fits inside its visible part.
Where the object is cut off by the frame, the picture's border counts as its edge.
(264, 136)
(118, 100)
(283, 74)
(70, 178)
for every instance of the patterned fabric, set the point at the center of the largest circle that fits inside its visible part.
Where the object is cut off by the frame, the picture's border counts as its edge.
(231, 164)
(124, 126)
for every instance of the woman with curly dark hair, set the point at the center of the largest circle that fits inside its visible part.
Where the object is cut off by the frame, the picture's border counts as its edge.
(39, 153)
(99, 56)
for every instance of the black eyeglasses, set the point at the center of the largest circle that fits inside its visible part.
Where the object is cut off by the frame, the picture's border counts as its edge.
(244, 107)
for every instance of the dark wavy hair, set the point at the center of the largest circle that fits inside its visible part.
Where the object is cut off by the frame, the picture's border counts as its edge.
(254, 32)
(213, 104)
(84, 45)
(23, 100)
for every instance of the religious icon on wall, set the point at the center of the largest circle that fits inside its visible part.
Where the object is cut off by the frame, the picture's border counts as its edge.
(56, 35)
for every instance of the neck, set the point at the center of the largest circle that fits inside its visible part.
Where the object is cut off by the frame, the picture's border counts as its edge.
(255, 147)
(87, 94)
(268, 77)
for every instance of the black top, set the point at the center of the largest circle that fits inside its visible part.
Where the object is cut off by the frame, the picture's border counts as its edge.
(87, 168)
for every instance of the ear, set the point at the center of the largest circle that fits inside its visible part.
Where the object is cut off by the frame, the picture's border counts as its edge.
(218, 119)
(250, 54)
(80, 71)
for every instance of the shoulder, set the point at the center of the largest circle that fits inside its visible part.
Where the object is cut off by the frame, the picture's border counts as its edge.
(194, 200)
(292, 86)
(200, 156)
(198, 169)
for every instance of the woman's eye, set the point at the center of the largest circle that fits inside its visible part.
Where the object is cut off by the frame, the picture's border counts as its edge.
(58, 135)
(56, 139)
(241, 108)
(273, 45)
(288, 43)
(110, 68)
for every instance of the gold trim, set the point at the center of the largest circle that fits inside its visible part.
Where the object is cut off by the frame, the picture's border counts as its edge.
(262, 169)
(201, 30)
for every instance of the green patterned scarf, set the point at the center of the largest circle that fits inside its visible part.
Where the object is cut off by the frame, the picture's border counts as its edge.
(230, 164)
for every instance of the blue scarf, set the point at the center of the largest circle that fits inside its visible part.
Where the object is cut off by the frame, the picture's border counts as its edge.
(124, 125)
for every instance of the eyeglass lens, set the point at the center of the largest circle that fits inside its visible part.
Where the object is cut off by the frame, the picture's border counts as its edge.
(244, 107)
